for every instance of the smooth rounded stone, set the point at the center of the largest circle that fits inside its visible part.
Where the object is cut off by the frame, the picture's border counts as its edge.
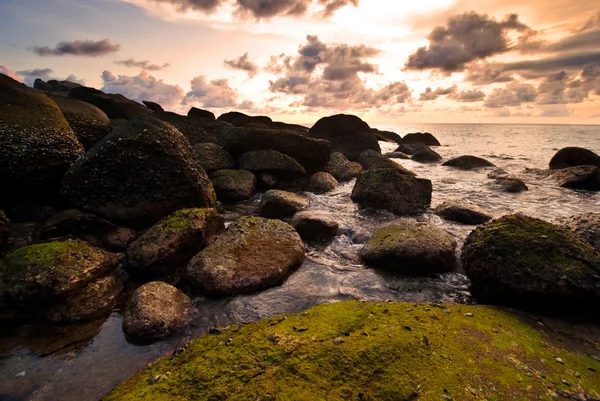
(114, 105)
(212, 157)
(251, 255)
(341, 168)
(347, 134)
(524, 262)
(266, 181)
(586, 226)
(42, 85)
(170, 242)
(410, 247)
(152, 105)
(322, 182)
(424, 138)
(233, 185)
(277, 204)
(37, 146)
(411, 149)
(497, 173)
(468, 163)
(200, 113)
(371, 160)
(462, 212)
(138, 174)
(510, 184)
(238, 119)
(387, 136)
(392, 190)
(4, 230)
(581, 177)
(313, 225)
(426, 156)
(195, 129)
(396, 155)
(573, 157)
(272, 162)
(156, 311)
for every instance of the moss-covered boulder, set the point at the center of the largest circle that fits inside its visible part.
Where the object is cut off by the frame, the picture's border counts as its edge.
(212, 157)
(581, 177)
(156, 311)
(233, 185)
(468, 163)
(573, 157)
(4, 230)
(523, 261)
(113, 104)
(420, 138)
(410, 247)
(586, 226)
(195, 129)
(278, 204)
(341, 168)
(373, 351)
(138, 174)
(462, 212)
(37, 146)
(510, 184)
(372, 160)
(252, 254)
(426, 155)
(171, 241)
(392, 190)
(322, 182)
(313, 225)
(273, 162)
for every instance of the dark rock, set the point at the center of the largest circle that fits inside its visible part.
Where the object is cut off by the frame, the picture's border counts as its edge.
(138, 174)
(114, 105)
(581, 177)
(117, 122)
(410, 247)
(372, 160)
(196, 130)
(426, 156)
(212, 157)
(63, 86)
(290, 127)
(313, 225)
(322, 182)
(266, 181)
(392, 190)
(199, 113)
(276, 204)
(573, 157)
(251, 255)
(347, 134)
(586, 226)
(387, 136)
(396, 155)
(42, 85)
(153, 106)
(341, 168)
(510, 184)
(238, 119)
(4, 230)
(118, 240)
(411, 149)
(468, 163)
(497, 173)
(462, 212)
(424, 138)
(233, 185)
(273, 162)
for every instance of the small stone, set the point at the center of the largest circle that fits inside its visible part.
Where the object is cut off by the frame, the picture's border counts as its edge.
(468, 314)
(426, 309)
(338, 341)
(426, 341)
(434, 316)
(578, 375)
(565, 382)
(299, 329)
(407, 328)
(229, 341)
(560, 361)
(274, 338)
(214, 330)
(157, 379)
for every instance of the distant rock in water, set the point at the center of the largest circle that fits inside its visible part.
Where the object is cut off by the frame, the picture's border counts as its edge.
(387, 136)
(411, 149)
(200, 113)
(510, 184)
(424, 138)
(238, 119)
(573, 157)
(586, 226)
(396, 155)
(322, 182)
(196, 130)
(497, 173)
(341, 168)
(462, 212)
(371, 160)
(468, 163)
(273, 162)
(42, 85)
(233, 185)
(153, 106)
(277, 204)
(212, 157)
(426, 156)
(114, 105)
(581, 177)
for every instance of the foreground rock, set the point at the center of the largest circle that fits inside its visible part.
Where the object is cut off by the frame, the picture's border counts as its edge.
(522, 261)
(468, 163)
(313, 225)
(199, 113)
(341, 168)
(422, 138)
(410, 247)
(171, 241)
(277, 204)
(361, 347)
(573, 157)
(4, 230)
(156, 311)
(586, 226)
(582, 177)
(462, 212)
(322, 182)
(271, 162)
(233, 185)
(426, 156)
(238, 119)
(138, 174)
(114, 105)
(392, 190)
(251, 255)
(371, 160)
(212, 157)
(510, 185)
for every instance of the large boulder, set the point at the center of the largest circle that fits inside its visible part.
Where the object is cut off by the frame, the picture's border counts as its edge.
(586, 226)
(424, 138)
(341, 168)
(273, 162)
(462, 212)
(196, 129)
(4, 230)
(392, 190)
(89, 123)
(372, 160)
(156, 311)
(42, 85)
(581, 177)
(233, 185)
(468, 163)
(277, 204)
(238, 119)
(290, 127)
(523, 261)
(152, 105)
(411, 149)
(252, 254)
(171, 241)
(322, 182)
(37, 146)
(410, 247)
(200, 113)
(347, 134)
(63, 86)
(573, 157)
(387, 136)
(313, 225)
(114, 105)
(212, 157)
(426, 156)
(138, 174)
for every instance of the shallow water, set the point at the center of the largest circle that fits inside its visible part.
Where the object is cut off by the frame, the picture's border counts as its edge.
(83, 362)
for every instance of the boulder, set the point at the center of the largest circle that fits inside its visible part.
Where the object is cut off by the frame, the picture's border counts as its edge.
(199, 113)
(42, 85)
(372, 160)
(468, 163)
(497, 173)
(114, 105)
(273, 162)
(424, 138)
(138, 174)
(573, 157)
(89, 123)
(266, 181)
(522, 261)
(196, 129)
(510, 184)
(156, 311)
(251, 255)
(63, 86)
(347, 134)
(277, 204)
(313, 225)
(322, 182)
(387, 136)
(392, 190)
(410, 247)
(426, 156)
(462, 212)
(212, 157)
(290, 127)
(411, 149)
(152, 105)
(4, 230)
(238, 119)
(581, 177)
(171, 241)
(396, 155)
(37, 146)
(233, 185)
(341, 168)
(586, 226)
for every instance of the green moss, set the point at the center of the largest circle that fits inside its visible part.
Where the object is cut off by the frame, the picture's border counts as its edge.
(370, 351)
(182, 219)
(50, 255)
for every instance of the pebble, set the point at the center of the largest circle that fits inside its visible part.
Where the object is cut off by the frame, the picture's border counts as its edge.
(469, 314)
(565, 382)
(337, 341)
(559, 361)
(434, 316)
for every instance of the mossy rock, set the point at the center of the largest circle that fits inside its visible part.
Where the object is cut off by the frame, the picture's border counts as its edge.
(278, 204)
(271, 161)
(212, 157)
(586, 226)
(372, 160)
(233, 185)
(372, 351)
(322, 182)
(238, 119)
(200, 113)
(341, 168)
(314, 225)
(195, 129)
(462, 212)
(580, 177)
(114, 105)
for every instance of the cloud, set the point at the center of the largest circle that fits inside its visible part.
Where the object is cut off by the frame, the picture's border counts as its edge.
(243, 63)
(559, 88)
(554, 63)
(468, 96)
(12, 74)
(46, 74)
(483, 73)
(558, 111)
(144, 65)
(211, 94)
(87, 48)
(512, 95)
(430, 94)
(143, 87)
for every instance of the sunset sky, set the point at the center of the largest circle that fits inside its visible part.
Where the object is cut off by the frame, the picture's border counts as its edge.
(390, 62)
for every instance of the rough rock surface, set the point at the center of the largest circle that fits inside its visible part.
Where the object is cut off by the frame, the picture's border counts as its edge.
(114, 105)
(387, 136)
(273, 162)
(212, 157)
(233, 185)
(462, 212)
(586, 226)
(468, 163)
(238, 119)
(199, 113)
(42, 85)
(510, 184)
(397, 155)
(426, 156)
(573, 157)
(411, 149)
(313, 225)
(152, 105)
(424, 138)
(581, 177)
(341, 168)
(195, 129)
(322, 182)
(371, 160)
(277, 204)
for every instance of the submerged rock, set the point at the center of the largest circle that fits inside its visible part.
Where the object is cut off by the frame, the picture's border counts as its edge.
(277, 204)
(114, 105)
(426, 156)
(233, 185)
(199, 113)
(341, 168)
(313, 225)
(371, 160)
(152, 105)
(510, 184)
(422, 138)
(586, 226)
(4, 230)
(497, 173)
(411, 149)
(573, 157)
(581, 177)
(272, 162)
(468, 163)
(212, 157)
(462, 212)
(252, 254)
(396, 155)
(322, 182)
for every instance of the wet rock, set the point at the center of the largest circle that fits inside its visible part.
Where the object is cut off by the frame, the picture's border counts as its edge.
(233, 185)
(171, 241)
(347, 134)
(114, 105)
(586, 226)
(497, 173)
(273, 162)
(138, 174)
(156, 311)
(581, 177)
(573, 157)
(238, 119)
(152, 105)
(462, 212)
(426, 156)
(522, 261)
(468, 163)
(510, 184)
(322, 182)
(387, 136)
(411, 149)
(392, 190)
(371, 160)
(424, 138)
(199, 113)
(396, 155)
(341, 168)
(196, 130)
(4, 230)
(252, 254)
(313, 225)
(42, 85)
(410, 247)
(277, 204)
(212, 157)
(266, 181)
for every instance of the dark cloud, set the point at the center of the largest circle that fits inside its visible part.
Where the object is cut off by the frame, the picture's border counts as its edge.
(559, 88)
(243, 63)
(474, 95)
(143, 87)
(483, 73)
(554, 63)
(211, 94)
(513, 94)
(430, 94)
(144, 65)
(206, 6)
(87, 48)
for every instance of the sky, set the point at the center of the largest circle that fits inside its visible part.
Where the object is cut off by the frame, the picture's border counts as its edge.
(387, 61)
